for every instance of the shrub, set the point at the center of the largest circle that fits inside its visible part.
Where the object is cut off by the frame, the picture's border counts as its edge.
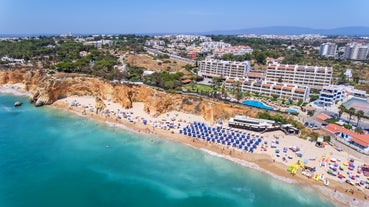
(347, 126)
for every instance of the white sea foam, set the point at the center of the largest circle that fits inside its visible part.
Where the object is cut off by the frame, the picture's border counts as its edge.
(343, 198)
(13, 92)
(6, 108)
(250, 165)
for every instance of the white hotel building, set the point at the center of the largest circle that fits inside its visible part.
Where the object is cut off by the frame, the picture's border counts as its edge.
(329, 95)
(227, 69)
(268, 88)
(312, 76)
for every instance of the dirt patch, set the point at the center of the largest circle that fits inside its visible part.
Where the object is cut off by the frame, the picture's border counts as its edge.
(149, 63)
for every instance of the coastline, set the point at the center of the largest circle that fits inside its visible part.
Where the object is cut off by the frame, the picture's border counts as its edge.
(261, 162)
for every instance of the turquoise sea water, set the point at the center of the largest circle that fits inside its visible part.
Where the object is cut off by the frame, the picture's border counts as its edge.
(52, 158)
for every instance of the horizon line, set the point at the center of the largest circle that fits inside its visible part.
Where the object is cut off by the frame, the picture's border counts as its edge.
(24, 34)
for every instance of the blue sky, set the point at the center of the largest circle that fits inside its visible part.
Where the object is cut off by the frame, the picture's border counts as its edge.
(151, 16)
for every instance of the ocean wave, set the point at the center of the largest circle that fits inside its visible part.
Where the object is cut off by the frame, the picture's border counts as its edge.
(6, 108)
(343, 198)
(250, 165)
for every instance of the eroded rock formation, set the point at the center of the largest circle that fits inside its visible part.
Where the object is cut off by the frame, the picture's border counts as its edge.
(46, 88)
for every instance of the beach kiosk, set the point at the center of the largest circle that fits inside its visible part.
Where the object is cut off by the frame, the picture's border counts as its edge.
(319, 142)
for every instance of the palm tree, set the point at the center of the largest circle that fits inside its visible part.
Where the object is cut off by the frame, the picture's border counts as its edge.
(359, 115)
(341, 110)
(223, 91)
(351, 112)
(236, 87)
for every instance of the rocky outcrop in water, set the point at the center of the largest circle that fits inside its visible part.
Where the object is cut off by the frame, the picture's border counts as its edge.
(17, 103)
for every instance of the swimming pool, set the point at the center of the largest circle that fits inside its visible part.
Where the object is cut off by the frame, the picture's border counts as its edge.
(257, 104)
(358, 104)
(292, 111)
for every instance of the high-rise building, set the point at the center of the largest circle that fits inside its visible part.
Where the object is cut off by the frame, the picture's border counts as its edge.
(328, 49)
(227, 69)
(356, 51)
(314, 77)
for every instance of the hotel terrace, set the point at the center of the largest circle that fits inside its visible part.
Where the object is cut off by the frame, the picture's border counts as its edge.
(314, 77)
(228, 69)
(268, 88)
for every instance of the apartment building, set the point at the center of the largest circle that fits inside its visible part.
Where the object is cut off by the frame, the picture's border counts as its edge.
(209, 46)
(311, 76)
(356, 51)
(328, 49)
(228, 69)
(268, 88)
(235, 50)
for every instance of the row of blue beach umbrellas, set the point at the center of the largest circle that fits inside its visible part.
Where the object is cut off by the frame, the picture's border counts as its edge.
(240, 140)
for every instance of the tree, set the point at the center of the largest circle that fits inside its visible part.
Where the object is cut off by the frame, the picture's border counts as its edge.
(351, 112)
(359, 115)
(274, 97)
(223, 91)
(236, 87)
(300, 102)
(341, 110)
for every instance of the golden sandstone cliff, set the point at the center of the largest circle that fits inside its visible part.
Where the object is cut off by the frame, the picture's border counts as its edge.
(47, 88)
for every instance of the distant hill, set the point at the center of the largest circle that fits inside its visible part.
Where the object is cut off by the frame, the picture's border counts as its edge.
(286, 30)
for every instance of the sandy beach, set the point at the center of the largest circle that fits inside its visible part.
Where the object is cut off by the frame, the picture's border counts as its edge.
(264, 159)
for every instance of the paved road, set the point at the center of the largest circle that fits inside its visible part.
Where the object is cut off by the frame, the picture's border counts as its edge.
(364, 123)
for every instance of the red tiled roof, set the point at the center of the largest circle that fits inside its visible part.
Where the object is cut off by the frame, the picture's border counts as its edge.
(186, 81)
(361, 139)
(255, 74)
(287, 88)
(300, 90)
(323, 116)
